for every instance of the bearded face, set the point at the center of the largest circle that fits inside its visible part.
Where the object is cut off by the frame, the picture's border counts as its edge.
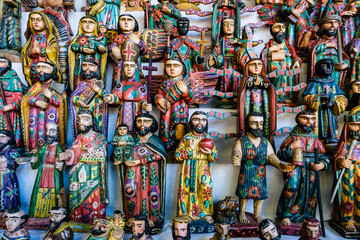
(199, 123)
(89, 74)
(279, 37)
(256, 132)
(44, 77)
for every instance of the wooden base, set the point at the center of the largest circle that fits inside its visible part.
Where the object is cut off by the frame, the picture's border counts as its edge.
(201, 226)
(343, 232)
(37, 224)
(244, 230)
(292, 230)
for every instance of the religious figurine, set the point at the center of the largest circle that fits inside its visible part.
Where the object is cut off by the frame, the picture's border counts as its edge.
(100, 229)
(252, 152)
(279, 54)
(173, 99)
(123, 144)
(268, 230)
(14, 221)
(222, 227)
(310, 229)
(196, 150)
(12, 89)
(130, 94)
(256, 94)
(59, 228)
(324, 97)
(181, 228)
(352, 83)
(117, 224)
(48, 191)
(9, 184)
(88, 195)
(89, 95)
(144, 176)
(140, 228)
(41, 46)
(298, 199)
(44, 103)
(86, 46)
(227, 208)
(10, 26)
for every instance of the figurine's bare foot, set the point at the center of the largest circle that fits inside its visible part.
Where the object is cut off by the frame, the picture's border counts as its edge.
(258, 218)
(243, 219)
(285, 222)
(209, 219)
(350, 227)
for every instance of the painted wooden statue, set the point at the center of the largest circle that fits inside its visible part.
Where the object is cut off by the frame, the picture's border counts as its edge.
(100, 229)
(227, 208)
(59, 228)
(10, 16)
(222, 227)
(14, 222)
(88, 195)
(117, 224)
(268, 230)
(310, 229)
(352, 83)
(140, 228)
(181, 228)
(196, 150)
(123, 144)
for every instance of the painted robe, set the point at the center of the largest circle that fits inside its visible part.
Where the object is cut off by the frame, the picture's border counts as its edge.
(64, 232)
(21, 234)
(123, 153)
(10, 37)
(106, 12)
(157, 18)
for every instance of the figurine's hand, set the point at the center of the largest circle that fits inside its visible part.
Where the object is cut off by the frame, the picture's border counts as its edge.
(348, 13)
(7, 108)
(205, 151)
(331, 45)
(236, 160)
(64, 155)
(211, 61)
(345, 163)
(166, 10)
(341, 66)
(296, 144)
(83, 104)
(182, 86)
(296, 65)
(116, 52)
(109, 98)
(192, 144)
(117, 163)
(95, 87)
(42, 104)
(165, 104)
(47, 93)
(147, 107)
(102, 49)
(135, 38)
(88, 50)
(317, 167)
(132, 163)
(59, 165)
(36, 46)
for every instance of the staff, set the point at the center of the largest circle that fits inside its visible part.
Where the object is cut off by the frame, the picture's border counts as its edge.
(317, 177)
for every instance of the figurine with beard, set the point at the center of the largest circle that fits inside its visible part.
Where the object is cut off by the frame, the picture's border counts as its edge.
(222, 227)
(100, 229)
(140, 228)
(268, 230)
(181, 228)
(310, 229)
(59, 228)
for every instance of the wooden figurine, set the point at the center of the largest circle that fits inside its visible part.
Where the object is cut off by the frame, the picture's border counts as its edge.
(173, 99)
(268, 230)
(100, 229)
(310, 229)
(11, 90)
(252, 152)
(222, 227)
(279, 54)
(44, 103)
(140, 228)
(196, 150)
(227, 208)
(299, 197)
(89, 95)
(324, 97)
(123, 144)
(88, 195)
(48, 191)
(352, 83)
(117, 224)
(181, 228)
(86, 45)
(59, 228)
(144, 176)
(14, 221)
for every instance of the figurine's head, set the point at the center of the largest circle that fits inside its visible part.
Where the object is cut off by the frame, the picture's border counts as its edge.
(129, 69)
(222, 226)
(127, 24)
(278, 31)
(117, 213)
(228, 27)
(123, 129)
(175, 68)
(181, 228)
(46, 71)
(15, 219)
(100, 228)
(85, 122)
(255, 67)
(140, 226)
(37, 23)
(198, 122)
(145, 123)
(52, 133)
(329, 25)
(57, 216)
(5, 65)
(183, 24)
(254, 123)
(6, 138)
(355, 86)
(324, 67)
(306, 121)
(310, 229)
(268, 230)
(90, 70)
(353, 122)
(88, 25)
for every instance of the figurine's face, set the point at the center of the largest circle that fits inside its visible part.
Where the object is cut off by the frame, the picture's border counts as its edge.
(313, 232)
(183, 27)
(4, 139)
(173, 68)
(228, 26)
(355, 87)
(13, 221)
(57, 215)
(143, 122)
(308, 120)
(199, 123)
(270, 232)
(129, 69)
(255, 67)
(42, 67)
(103, 29)
(100, 227)
(331, 26)
(256, 122)
(88, 67)
(278, 27)
(127, 24)
(84, 121)
(325, 69)
(222, 229)
(354, 126)
(3, 63)
(88, 25)
(122, 131)
(37, 22)
(180, 229)
(51, 130)
(138, 228)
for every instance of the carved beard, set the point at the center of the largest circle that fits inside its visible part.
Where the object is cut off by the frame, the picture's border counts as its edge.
(328, 33)
(180, 238)
(200, 129)
(45, 77)
(55, 225)
(3, 70)
(256, 132)
(51, 139)
(143, 132)
(279, 38)
(90, 75)
(307, 129)
(3, 145)
(138, 236)
(86, 130)
(97, 232)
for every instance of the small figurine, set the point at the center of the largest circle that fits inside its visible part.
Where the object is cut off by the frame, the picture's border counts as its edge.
(173, 99)
(181, 228)
(310, 229)
(59, 228)
(140, 228)
(117, 224)
(10, 26)
(352, 84)
(14, 221)
(268, 230)
(252, 152)
(222, 227)
(100, 229)
(227, 208)
(123, 144)
(88, 195)
(44, 103)
(48, 191)
(196, 150)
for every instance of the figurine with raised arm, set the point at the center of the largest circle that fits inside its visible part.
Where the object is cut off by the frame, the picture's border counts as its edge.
(222, 227)
(268, 230)
(310, 229)
(14, 222)
(59, 228)
(123, 144)
(140, 228)
(181, 228)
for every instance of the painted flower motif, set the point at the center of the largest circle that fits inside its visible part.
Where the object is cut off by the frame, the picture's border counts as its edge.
(241, 179)
(294, 209)
(261, 171)
(187, 170)
(254, 192)
(312, 178)
(312, 202)
(82, 40)
(194, 210)
(289, 194)
(347, 207)
(130, 190)
(250, 154)
(154, 197)
(181, 194)
(207, 193)
(207, 170)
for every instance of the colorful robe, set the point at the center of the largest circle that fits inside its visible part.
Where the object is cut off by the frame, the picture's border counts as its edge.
(157, 18)
(88, 194)
(21, 234)
(49, 182)
(195, 195)
(63, 230)
(144, 184)
(299, 196)
(123, 153)
(106, 12)
(178, 113)
(13, 91)
(10, 37)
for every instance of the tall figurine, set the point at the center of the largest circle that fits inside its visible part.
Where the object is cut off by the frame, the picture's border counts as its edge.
(268, 230)
(324, 97)
(252, 152)
(41, 45)
(279, 54)
(48, 191)
(299, 196)
(173, 99)
(352, 83)
(222, 227)
(11, 92)
(89, 95)
(310, 229)
(140, 228)
(44, 103)
(10, 26)
(88, 195)
(196, 150)
(181, 228)
(86, 45)
(100, 229)
(144, 176)
(59, 228)
(14, 221)
(123, 144)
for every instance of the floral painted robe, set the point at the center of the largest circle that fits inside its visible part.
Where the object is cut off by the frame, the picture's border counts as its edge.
(21, 234)
(108, 13)
(123, 153)
(157, 18)
(299, 196)
(195, 196)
